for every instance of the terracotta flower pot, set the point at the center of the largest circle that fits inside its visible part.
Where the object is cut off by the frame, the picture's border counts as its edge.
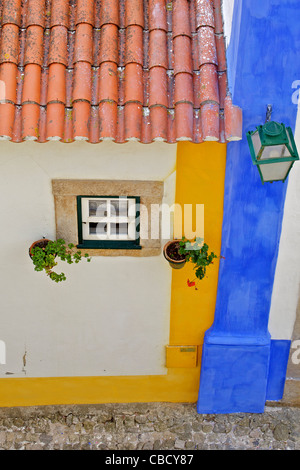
(42, 243)
(170, 251)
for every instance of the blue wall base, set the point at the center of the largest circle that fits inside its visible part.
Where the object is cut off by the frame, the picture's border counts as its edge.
(234, 376)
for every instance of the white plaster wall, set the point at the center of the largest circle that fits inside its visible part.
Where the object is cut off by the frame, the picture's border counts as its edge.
(232, 10)
(227, 18)
(111, 316)
(287, 277)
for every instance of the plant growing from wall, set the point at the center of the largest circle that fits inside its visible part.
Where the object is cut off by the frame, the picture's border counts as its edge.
(45, 252)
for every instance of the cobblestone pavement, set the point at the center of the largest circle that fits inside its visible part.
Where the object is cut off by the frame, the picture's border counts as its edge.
(156, 426)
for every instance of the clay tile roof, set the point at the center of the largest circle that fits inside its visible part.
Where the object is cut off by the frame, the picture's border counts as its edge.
(143, 70)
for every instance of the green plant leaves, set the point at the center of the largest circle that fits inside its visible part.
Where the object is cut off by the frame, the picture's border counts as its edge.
(44, 258)
(197, 252)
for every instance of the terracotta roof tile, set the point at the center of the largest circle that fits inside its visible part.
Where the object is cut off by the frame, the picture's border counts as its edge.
(36, 13)
(218, 17)
(58, 50)
(144, 70)
(158, 55)
(9, 44)
(208, 84)
(181, 18)
(30, 121)
(134, 83)
(7, 114)
(107, 83)
(205, 13)
(210, 120)
(184, 91)
(9, 75)
(55, 121)
(59, 13)
(81, 120)
(207, 46)
(184, 121)
(56, 84)
(83, 50)
(220, 51)
(134, 13)
(85, 12)
(158, 131)
(222, 80)
(133, 121)
(158, 90)
(233, 120)
(32, 84)
(182, 55)
(11, 13)
(34, 45)
(108, 13)
(134, 45)
(108, 44)
(157, 16)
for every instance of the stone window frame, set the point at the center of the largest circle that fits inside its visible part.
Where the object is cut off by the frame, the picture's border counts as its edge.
(65, 192)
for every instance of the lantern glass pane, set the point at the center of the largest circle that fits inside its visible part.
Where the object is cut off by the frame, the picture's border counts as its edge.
(256, 142)
(275, 151)
(275, 171)
(290, 142)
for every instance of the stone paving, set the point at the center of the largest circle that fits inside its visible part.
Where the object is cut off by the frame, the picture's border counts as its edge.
(154, 426)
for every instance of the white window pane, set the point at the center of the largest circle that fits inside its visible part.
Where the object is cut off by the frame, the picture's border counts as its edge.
(119, 208)
(118, 229)
(97, 228)
(97, 208)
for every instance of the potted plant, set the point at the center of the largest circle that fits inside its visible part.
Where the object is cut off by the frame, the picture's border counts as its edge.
(178, 252)
(44, 253)
(171, 252)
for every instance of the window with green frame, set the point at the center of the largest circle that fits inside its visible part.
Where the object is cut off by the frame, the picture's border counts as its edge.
(110, 222)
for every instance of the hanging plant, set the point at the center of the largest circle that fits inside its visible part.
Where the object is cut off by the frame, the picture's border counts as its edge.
(179, 252)
(44, 253)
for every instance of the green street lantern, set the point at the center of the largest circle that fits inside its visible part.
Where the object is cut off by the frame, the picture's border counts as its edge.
(273, 150)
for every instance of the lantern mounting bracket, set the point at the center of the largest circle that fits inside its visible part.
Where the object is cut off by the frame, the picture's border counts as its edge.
(269, 113)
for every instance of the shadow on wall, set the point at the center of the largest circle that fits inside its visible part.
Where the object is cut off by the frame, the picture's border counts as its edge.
(2, 352)
(292, 386)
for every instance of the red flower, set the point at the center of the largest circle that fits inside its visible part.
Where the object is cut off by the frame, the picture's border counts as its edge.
(191, 283)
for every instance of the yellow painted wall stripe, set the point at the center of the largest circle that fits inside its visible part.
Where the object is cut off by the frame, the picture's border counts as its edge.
(93, 390)
(200, 176)
(200, 180)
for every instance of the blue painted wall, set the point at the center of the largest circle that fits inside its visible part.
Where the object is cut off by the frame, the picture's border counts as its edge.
(279, 356)
(237, 348)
